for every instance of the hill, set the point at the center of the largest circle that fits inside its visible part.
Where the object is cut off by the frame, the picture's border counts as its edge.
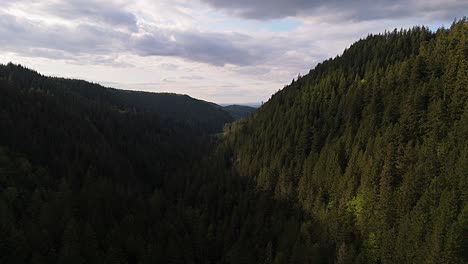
(239, 111)
(368, 149)
(90, 174)
(205, 116)
(362, 160)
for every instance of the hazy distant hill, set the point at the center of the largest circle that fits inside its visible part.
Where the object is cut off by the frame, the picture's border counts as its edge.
(195, 112)
(204, 116)
(239, 111)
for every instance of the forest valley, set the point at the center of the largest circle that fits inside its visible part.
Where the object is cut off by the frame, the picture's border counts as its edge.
(362, 160)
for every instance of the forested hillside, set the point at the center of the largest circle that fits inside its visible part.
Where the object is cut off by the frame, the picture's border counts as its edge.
(93, 175)
(239, 111)
(204, 116)
(362, 160)
(373, 147)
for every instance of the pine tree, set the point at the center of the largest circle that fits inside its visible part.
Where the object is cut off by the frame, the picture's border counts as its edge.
(70, 252)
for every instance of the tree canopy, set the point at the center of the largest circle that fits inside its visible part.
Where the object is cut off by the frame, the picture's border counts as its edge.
(362, 160)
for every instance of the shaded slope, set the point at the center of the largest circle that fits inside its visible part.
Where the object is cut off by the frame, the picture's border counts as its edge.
(239, 111)
(90, 176)
(373, 145)
(363, 160)
(204, 116)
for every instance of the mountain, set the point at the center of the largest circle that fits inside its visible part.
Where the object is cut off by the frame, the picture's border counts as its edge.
(194, 112)
(371, 148)
(205, 116)
(90, 174)
(239, 111)
(362, 160)
(251, 104)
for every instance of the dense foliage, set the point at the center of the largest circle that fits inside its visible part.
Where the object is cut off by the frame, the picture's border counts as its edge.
(85, 171)
(239, 111)
(203, 116)
(372, 146)
(363, 160)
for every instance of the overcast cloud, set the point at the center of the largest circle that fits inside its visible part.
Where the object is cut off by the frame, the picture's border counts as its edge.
(343, 9)
(218, 50)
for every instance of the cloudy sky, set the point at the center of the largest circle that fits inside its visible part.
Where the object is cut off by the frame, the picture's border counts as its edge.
(225, 51)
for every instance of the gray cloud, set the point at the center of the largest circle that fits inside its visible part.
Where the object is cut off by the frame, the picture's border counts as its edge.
(93, 11)
(89, 32)
(192, 77)
(90, 11)
(169, 66)
(58, 41)
(343, 9)
(213, 48)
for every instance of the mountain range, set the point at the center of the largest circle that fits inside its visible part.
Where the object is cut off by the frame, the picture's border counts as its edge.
(362, 160)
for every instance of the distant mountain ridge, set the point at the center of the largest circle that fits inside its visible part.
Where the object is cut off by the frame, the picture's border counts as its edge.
(205, 116)
(87, 171)
(250, 104)
(239, 111)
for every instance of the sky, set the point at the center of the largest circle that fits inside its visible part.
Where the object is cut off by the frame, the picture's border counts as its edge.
(224, 51)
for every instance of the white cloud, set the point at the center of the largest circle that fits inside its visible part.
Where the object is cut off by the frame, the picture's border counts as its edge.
(206, 50)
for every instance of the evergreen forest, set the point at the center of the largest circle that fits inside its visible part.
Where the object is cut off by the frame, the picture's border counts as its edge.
(362, 160)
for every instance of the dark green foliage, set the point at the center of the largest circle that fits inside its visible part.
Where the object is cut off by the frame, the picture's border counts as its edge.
(94, 175)
(239, 111)
(372, 146)
(363, 160)
(198, 114)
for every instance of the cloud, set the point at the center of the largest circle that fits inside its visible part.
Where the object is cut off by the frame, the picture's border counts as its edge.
(169, 66)
(110, 12)
(73, 42)
(192, 77)
(342, 9)
(213, 48)
(100, 31)
(29, 38)
(204, 48)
